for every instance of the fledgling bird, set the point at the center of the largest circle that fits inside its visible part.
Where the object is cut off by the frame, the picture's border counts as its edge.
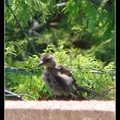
(59, 79)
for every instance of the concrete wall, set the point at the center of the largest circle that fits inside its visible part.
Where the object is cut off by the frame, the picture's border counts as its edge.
(60, 110)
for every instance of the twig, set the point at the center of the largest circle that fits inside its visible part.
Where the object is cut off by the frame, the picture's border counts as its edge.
(10, 94)
(13, 70)
(107, 90)
(106, 96)
(17, 96)
(27, 96)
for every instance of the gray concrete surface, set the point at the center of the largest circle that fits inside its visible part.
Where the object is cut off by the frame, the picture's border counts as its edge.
(60, 110)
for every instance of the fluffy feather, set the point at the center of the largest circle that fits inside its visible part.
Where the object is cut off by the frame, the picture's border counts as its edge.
(59, 79)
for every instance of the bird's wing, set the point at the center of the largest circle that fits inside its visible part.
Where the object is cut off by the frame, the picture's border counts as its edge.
(66, 77)
(65, 73)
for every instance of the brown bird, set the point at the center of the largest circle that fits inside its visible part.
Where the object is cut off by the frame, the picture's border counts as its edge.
(59, 79)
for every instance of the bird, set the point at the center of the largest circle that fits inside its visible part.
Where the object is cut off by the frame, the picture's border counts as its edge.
(59, 79)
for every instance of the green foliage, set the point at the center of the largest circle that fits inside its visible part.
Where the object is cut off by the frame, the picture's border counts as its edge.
(87, 70)
(96, 18)
(10, 51)
(29, 8)
(78, 20)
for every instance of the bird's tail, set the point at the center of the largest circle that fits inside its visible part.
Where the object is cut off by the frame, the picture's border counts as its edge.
(88, 90)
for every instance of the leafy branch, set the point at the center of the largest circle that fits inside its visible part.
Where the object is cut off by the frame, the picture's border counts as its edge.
(8, 5)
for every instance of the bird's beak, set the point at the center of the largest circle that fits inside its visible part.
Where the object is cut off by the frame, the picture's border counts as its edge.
(40, 63)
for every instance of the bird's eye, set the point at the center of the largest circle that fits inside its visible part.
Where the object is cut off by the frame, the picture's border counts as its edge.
(47, 60)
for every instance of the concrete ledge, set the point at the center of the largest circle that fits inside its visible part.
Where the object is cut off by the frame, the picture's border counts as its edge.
(60, 110)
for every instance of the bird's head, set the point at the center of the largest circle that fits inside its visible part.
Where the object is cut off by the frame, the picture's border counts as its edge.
(47, 60)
